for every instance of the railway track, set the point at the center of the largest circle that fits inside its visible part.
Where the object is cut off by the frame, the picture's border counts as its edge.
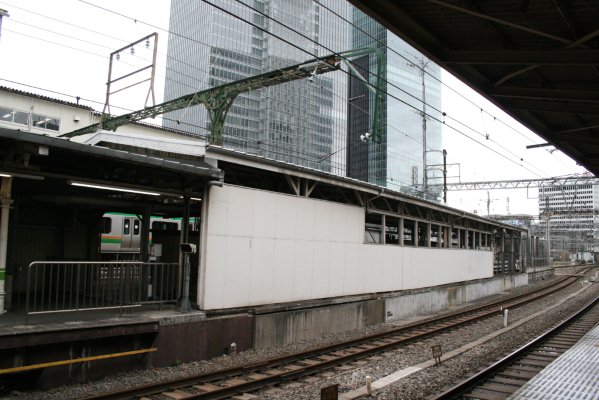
(236, 381)
(502, 379)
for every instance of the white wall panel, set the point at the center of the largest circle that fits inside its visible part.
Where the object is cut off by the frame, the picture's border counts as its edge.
(284, 261)
(215, 274)
(262, 270)
(337, 271)
(280, 248)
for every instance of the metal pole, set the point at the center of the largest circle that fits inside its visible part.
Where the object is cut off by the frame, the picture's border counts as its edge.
(5, 202)
(548, 241)
(424, 177)
(3, 13)
(444, 176)
(184, 304)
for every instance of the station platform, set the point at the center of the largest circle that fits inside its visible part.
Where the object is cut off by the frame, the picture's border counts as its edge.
(59, 348)
(573, 375)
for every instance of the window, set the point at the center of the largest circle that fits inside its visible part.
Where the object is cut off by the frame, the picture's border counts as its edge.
(13, 116)
(374, 229)
(45, 122)
(165, 226)
(136, 227)
(126, 226)
(106, 224)
(22, 118)
(408, 232)
(391, 230)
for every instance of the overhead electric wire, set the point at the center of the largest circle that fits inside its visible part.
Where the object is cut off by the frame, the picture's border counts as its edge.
(412, 62)
(304, 50)
(288, 43)
(195, 90)
(297, 47)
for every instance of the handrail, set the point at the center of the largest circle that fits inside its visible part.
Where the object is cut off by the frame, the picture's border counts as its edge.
(73, 286)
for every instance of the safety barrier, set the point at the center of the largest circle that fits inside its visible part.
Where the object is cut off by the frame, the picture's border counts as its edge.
(77, 360)
(72, 286)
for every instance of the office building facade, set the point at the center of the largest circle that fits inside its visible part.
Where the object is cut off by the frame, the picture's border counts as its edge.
(572, 214)
(408, 156)
(315, 123)
(301, 122)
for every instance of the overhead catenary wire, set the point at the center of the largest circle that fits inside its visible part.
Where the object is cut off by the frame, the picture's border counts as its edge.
(389, 125)
(386, 93)
(178, 121)
(156, 27)
(410, 61)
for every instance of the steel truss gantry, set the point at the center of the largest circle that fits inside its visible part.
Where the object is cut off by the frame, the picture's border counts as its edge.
(218, 100)
(523, 183)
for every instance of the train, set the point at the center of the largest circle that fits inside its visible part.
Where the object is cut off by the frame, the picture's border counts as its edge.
(120, 237)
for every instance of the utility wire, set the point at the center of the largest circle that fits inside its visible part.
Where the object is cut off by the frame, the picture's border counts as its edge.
(293, 45)
(205, 44)
(386, 93)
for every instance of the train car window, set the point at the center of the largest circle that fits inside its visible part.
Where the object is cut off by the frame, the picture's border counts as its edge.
(126, 226)
(136, 227)
(106, 224)
(165, 226)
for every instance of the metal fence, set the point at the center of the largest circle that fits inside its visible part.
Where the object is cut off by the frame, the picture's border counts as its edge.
(67, 286)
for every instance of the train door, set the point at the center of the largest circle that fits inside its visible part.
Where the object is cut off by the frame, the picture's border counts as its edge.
(136, 237)
(131, 233)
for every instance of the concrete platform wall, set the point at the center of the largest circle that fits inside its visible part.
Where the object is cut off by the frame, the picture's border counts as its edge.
(436, 299)
(281, 328)
(190, 340)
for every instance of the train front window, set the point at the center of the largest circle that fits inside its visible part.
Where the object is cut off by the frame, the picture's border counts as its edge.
(106, 224)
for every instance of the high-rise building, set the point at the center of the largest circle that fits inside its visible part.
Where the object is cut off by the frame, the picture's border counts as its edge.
(409, 153)
(571, 211)
(315, 123)
(301, 122)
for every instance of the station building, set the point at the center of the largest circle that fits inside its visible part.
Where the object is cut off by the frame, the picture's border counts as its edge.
(284, 252)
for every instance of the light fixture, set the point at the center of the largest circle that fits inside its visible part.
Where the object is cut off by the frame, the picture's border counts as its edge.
(5, 174)
(192, 198)
(113, 188)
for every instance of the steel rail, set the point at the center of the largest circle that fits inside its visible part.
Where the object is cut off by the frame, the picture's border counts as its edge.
(406, 334)
(482, 376)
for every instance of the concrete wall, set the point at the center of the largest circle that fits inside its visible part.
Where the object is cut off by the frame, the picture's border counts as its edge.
(293, 326)
(439, 298)
(263, 247)
(191, 339)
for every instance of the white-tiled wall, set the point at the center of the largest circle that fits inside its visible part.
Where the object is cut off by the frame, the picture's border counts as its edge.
(265, 247)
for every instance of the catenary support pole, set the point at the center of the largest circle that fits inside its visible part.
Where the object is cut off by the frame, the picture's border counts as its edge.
(184, 304)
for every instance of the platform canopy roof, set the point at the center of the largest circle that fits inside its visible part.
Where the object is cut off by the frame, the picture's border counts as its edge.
(48, 169)
(537, 60)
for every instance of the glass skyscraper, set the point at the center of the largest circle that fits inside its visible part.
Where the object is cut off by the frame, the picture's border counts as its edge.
(301, 122)
(315, 123)
(408, 154)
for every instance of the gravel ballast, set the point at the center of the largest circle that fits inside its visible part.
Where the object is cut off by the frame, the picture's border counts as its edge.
(415, 386)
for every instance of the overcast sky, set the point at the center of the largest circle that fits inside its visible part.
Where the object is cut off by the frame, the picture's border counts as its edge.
(63, 46)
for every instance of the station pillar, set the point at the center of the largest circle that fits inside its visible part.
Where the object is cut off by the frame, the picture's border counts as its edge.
(5, 203)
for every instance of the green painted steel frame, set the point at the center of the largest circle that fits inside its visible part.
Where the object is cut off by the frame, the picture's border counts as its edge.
(218, 100)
